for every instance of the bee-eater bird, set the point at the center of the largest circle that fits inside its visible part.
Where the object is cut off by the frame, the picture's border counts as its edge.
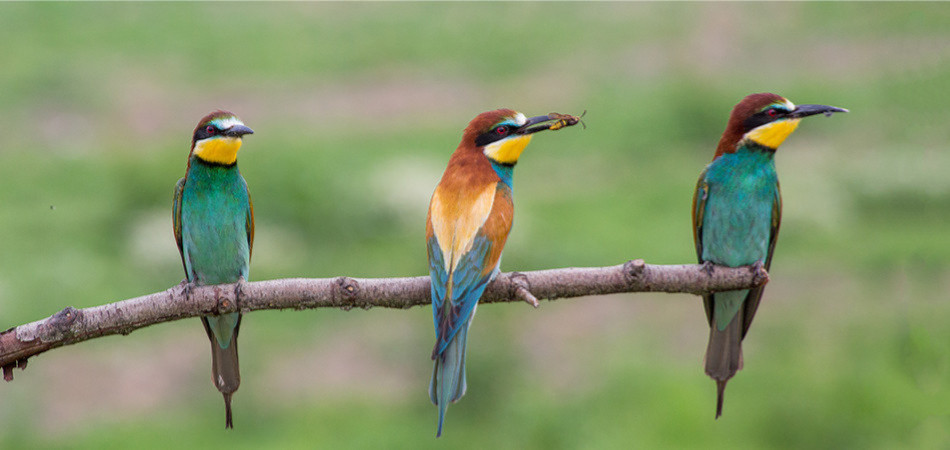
(214, 225)
(737, 208)
(469, 218)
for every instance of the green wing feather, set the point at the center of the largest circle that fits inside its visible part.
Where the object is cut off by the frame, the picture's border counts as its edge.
(176, 219)
(699, 209)
(248, 224)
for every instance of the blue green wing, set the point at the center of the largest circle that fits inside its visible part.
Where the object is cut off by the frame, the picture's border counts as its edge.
(700, 195)
(438, 278)
(249, 224)
(455, 295)
(176, 220)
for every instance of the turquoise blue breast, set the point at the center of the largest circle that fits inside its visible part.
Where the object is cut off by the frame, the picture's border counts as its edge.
(214, 211)
(742, 190)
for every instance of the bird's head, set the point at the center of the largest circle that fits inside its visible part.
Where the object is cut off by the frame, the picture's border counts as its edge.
(217, 138)
(503, 134)
(766, 120)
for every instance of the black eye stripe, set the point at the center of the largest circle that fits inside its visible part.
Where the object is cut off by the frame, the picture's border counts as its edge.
(758, 119)
(203, 133)
(493, 135)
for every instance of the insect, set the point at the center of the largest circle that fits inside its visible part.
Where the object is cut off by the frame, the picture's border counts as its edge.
(566, 120)
(560, 121)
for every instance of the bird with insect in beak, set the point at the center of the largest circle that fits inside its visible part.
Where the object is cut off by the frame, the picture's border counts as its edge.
(469, 218)
(214, 226)
(737, 209)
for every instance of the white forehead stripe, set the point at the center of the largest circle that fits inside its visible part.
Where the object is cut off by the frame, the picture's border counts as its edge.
(225, 123)
(789, 105)
(520, 119)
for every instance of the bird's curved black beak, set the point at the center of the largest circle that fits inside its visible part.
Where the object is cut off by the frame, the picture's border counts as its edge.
(238, 131)
(537, 123)
(810, 110)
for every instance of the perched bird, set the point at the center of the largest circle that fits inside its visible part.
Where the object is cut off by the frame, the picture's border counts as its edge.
(214, 225)
(469, 218)
(737, 208)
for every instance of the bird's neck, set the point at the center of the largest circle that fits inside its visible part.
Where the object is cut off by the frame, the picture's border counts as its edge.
(750, 147)
(504, 171)
(201, 171)
(748, 160)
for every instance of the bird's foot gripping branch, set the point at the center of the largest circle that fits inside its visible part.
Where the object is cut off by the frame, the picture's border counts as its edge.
(71, 325)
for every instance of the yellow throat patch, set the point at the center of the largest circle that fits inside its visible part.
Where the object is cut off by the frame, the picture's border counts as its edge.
(218, 150)
(507, 151)
(772, 135)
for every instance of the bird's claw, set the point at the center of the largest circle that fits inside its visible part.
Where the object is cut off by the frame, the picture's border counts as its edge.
(239, 291)
(756, 267)
(759, 276)
(708, 268)
(186, 287)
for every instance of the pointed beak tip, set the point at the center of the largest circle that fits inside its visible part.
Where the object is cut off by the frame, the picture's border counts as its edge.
(834, 109)
(811, 110)
(239, 131)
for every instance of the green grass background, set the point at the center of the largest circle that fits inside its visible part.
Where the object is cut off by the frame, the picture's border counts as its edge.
(356, 108)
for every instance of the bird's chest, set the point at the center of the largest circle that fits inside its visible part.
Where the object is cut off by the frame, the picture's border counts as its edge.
(214, 229)
(457, 212)
(737, 223)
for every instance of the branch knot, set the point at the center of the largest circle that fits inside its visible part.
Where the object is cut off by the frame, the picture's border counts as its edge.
(349, 292)
(61, 321)
(634, 269)
(348, 286)
(223, 300)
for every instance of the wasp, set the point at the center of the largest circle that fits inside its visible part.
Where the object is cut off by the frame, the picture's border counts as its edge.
(566, 120)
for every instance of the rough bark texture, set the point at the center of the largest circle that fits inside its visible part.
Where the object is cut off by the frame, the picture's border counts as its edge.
(71, 325)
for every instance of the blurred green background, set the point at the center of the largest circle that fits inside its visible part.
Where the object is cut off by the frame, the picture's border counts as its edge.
(356, 109)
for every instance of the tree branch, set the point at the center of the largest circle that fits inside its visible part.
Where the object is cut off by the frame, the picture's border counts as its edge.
(71, 325)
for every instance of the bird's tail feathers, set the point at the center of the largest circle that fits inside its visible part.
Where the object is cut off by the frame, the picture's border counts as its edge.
(448, 375)
(228, 421)
(225, 370)
(724, 356)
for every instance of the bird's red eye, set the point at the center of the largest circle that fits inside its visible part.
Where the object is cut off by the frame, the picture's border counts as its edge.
(501, 130)
(772, 112)
(209, 129)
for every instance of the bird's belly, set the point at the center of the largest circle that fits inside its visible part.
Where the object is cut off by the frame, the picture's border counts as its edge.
(736, 230)
(218, 252)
